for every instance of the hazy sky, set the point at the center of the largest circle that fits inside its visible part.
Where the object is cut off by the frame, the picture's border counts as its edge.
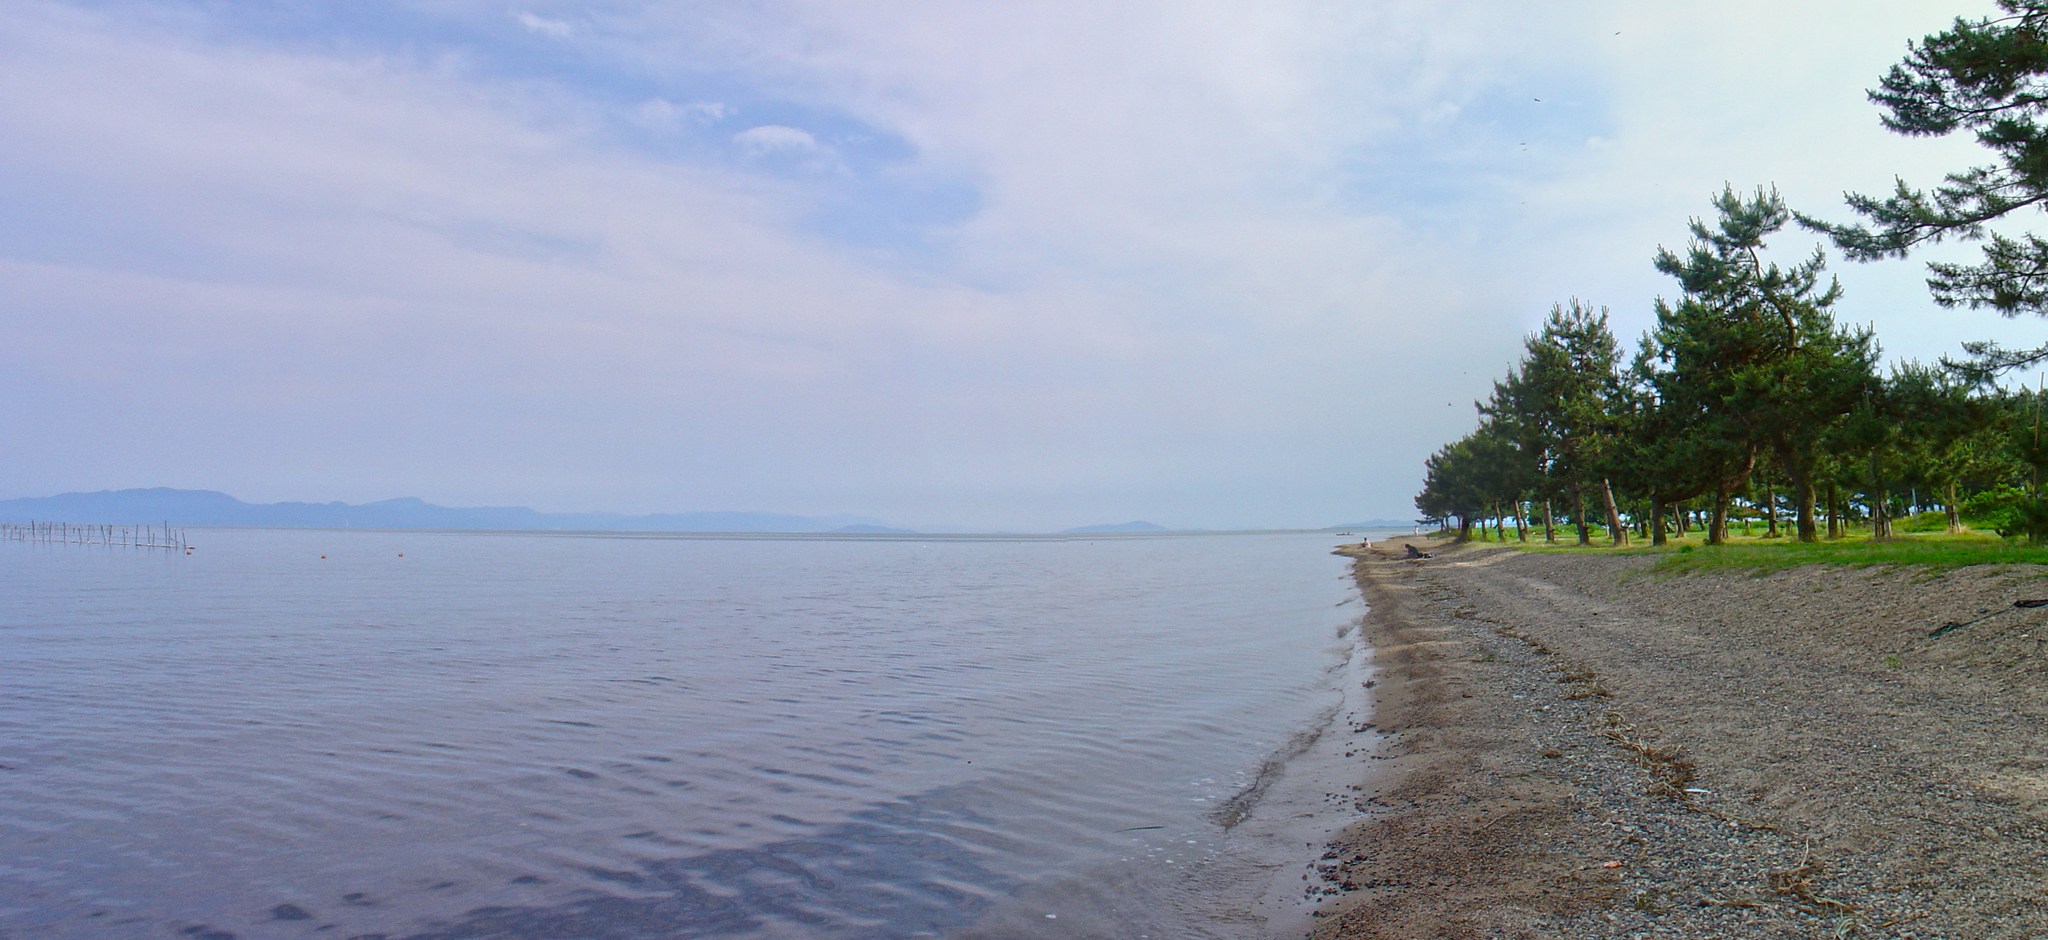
(1021, 265)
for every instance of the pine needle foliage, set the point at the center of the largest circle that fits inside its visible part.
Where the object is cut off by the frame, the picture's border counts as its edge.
(1989, 78)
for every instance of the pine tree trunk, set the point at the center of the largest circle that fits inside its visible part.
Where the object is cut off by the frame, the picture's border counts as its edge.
(1579, 513)
(1717, 527)
(1679, 513)
(1799, 467)
(1880, 512)
(1770, 512)
(1834, 510)
(1549, 524)
(1613, 518)
(1656, 521)
(1802, 498)
(1521, 516)
(1955, 515)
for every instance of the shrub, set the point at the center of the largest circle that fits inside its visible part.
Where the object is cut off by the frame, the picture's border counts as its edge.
(1933, 520)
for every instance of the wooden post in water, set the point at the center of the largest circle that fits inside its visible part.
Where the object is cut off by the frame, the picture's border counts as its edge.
(64, 533)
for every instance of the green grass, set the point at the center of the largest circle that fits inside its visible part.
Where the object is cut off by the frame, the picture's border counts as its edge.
(1935, 552)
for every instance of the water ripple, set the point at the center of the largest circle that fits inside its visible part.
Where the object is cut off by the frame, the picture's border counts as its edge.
(529, 737)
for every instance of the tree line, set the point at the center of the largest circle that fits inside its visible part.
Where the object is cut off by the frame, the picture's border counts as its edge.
(1748, 398)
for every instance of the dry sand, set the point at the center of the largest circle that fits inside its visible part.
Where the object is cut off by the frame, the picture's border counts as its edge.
(1578, 748)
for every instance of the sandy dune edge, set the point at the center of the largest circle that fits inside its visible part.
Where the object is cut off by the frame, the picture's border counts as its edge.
(1579, 749)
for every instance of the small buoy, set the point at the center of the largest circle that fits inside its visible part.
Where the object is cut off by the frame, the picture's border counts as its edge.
(401, 554)
(323, 556)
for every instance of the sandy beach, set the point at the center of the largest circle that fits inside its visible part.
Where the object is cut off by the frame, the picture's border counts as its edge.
(1574, 747)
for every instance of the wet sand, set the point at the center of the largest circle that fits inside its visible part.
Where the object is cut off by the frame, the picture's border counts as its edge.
(1576, 748)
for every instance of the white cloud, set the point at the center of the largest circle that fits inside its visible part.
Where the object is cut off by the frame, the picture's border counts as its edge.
(1231, 264)
(555, 29)
(659, 114)
(773, 137)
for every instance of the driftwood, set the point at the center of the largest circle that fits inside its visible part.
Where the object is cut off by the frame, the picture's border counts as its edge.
(1959, 624)
(1983, 615)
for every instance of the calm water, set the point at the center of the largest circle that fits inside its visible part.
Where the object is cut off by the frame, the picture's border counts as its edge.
(530, 736)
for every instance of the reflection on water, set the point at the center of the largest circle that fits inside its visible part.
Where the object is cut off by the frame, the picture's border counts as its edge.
(898, 870)
(451, 736)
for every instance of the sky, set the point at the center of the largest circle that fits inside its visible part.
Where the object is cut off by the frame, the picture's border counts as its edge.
(997, 265)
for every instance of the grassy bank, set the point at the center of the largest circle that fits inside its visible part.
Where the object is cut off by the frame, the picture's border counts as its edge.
(1934, 551)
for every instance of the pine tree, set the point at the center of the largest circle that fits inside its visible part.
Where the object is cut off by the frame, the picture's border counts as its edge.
(1559, 406)
(1748, 360)
(1453, 485)
(1988, 77)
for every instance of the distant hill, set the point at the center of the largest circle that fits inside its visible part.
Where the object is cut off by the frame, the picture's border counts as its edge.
(207, 508)
(1377, 524)
(864, 529)
(1134, 526)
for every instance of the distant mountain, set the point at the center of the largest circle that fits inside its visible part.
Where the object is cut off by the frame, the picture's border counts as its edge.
(865, 529)
(1134, 526)
(1377, 524)
(206, 507)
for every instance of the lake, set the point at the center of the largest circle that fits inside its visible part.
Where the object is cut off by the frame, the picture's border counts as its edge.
(332, 733)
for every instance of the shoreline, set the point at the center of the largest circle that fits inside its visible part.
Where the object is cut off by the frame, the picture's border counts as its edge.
(1574, 748)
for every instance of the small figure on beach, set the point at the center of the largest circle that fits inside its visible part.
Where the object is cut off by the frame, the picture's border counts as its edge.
(1413, 552)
